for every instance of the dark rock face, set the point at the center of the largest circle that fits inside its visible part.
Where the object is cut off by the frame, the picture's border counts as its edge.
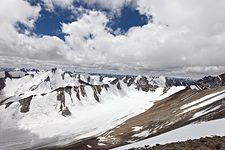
(68, 90)
(98, 88)
(222, 78)
(179, 82)
(106, 86)
(61, 95)
(63, 76)
(76, 89)
(83, 82)
(8, 104)
(61, 98)
(78, 96)
(211, 82)
(34, 70)
(89, 79)
(96, 97)
(66, 112)
(7, 75)
(47, 79)
(118, 86)
(130, 81)
(125, 80)
(80, 91)
(15, 74)
(101, 78)
(117, 83)
(25, 103)
(204, 83)
(114, 82)
(83, 91)
(143, 84)
(54, 70)
(2, 83)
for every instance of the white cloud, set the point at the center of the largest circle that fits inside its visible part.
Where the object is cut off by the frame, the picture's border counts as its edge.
(51, 4)
(108, 4)
(13, 43)
(203, 16)
(42, 48)
(114, 5)
(81, 37)
(12, 11)
(185, 35)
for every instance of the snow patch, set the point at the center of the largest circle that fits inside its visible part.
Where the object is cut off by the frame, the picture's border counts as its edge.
(171, 91)
(101, 144)
(142, 134)
(89, 146)
(102, 139)
(138, 128)
(201, 99)
(203, 129)
(203, 112)
(194, 87)
(205, 103)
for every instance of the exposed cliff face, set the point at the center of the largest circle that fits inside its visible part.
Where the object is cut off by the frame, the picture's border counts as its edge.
(25, 104)
(2, 83)
(179, 82)
(211, 82)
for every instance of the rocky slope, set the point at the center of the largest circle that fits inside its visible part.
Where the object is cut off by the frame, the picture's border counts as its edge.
(207, 143)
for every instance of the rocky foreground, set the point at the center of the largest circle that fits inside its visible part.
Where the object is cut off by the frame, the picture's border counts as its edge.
(207, 143)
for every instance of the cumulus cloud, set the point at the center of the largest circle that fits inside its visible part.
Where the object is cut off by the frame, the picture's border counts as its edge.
(204, 16)
(13, 43)
(153, 45)
(114, 5)
(51, 4)
(89, 38)
(182, 35)
(185, 36)
(11, 12)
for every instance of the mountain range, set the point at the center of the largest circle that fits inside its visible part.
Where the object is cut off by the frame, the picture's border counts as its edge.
(58, 109)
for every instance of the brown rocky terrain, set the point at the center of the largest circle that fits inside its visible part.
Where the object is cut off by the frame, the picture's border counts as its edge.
(207, 143)
(164, 116)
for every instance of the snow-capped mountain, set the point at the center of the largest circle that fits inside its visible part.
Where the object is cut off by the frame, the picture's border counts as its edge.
(103, 111)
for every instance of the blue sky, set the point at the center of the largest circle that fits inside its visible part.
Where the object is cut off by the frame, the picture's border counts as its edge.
(50, 22)
(176, 36)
